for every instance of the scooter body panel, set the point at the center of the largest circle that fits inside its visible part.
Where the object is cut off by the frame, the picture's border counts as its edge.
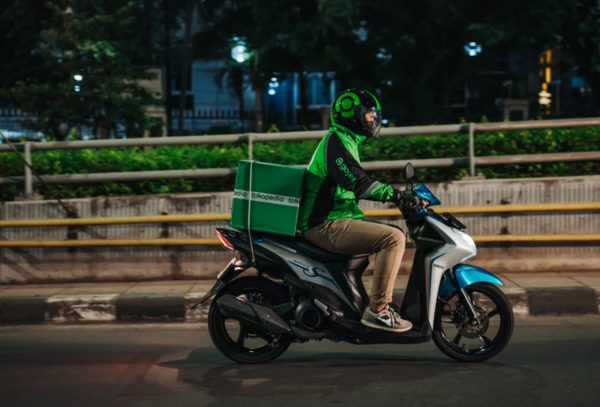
(330, 282)
(466, 275)
(458, 247)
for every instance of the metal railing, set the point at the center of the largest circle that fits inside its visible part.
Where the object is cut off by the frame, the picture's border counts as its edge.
(471, 160)
(207, 217)
(216, 242)
(203, 217)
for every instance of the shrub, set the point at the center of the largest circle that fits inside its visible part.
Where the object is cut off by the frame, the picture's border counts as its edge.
(300, 152)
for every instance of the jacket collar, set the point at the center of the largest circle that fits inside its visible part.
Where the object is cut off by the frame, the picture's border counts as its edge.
(355, 137)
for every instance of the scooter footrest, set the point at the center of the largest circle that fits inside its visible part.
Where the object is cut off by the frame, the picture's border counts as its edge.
(344, 323)
(307, 335)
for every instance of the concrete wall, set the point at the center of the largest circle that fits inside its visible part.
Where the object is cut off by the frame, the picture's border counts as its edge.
(32, 265)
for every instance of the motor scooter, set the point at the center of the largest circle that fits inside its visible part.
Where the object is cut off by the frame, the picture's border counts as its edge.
(313, 294)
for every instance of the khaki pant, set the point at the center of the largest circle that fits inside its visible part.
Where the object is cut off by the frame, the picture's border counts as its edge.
(349, 236)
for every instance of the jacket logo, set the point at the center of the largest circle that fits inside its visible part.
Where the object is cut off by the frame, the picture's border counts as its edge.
(345, 169)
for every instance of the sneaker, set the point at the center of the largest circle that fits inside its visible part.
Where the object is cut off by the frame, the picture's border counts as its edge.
(386, 319)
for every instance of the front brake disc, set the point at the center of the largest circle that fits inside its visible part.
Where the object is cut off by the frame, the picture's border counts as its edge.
(475, 331)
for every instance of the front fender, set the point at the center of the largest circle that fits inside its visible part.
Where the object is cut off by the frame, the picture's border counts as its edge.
(465, 276)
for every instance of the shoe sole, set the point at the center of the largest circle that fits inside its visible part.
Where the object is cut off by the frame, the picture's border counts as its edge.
(383, 328)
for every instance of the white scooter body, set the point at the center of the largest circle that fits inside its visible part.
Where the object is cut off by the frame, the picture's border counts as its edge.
(459, 247)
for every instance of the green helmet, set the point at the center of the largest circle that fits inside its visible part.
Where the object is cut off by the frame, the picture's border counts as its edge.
(358, 111)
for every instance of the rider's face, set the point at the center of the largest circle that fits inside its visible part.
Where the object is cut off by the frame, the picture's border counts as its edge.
(370, 116)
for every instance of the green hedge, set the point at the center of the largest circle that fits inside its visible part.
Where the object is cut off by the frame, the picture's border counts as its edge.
(227, 155)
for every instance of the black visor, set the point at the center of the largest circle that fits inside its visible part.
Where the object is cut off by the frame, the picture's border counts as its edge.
(371, 126)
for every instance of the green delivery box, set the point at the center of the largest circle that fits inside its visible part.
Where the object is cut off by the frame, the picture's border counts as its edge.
(273, 196)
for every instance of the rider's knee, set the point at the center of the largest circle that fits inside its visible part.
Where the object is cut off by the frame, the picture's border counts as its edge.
(396, 238)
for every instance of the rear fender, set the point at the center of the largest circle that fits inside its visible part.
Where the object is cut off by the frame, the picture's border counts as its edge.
(465, 276)
(230, 272)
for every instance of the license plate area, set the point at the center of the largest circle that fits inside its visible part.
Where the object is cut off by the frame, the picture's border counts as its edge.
(230, 266)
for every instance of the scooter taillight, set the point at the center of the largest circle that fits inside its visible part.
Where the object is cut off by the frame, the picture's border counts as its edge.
(225, 242)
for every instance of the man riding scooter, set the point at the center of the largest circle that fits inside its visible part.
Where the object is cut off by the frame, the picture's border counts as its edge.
(329, 214)
(314, 291)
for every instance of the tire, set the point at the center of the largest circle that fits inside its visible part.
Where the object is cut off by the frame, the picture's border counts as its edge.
(258, 290)
(445, 319)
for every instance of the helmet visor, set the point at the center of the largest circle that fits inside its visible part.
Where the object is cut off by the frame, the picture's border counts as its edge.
(371, 119)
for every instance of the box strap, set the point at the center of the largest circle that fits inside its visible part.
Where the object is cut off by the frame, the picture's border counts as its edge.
(249, 205)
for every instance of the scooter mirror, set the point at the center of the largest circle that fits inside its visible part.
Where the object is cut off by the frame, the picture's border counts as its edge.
(409, 172)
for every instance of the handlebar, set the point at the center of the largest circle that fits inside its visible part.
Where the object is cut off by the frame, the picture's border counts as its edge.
(409, 198)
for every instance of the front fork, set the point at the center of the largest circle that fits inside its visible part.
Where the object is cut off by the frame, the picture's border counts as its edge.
(464, 297)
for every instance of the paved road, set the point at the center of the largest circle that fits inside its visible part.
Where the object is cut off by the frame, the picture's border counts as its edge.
(550, 362)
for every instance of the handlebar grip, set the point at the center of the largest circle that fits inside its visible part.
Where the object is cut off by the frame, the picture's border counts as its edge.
(409, 198)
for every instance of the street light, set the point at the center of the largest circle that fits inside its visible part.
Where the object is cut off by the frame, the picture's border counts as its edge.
(239, 51)
(544, 97)
(472, 49)
(78, 78)
(273, 84)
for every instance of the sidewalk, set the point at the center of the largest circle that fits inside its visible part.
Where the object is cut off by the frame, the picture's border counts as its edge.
(169, 301)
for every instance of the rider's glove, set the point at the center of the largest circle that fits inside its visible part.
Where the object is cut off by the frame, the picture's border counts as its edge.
(396, 197)
(408, 199)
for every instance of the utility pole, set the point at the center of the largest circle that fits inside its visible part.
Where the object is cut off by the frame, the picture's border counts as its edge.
(185, 63)
(167, 62)
(258, 105)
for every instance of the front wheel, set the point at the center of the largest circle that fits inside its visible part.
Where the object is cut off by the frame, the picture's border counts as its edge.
(466, 340)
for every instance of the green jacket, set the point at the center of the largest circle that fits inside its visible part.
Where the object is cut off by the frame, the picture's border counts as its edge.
(335, 181)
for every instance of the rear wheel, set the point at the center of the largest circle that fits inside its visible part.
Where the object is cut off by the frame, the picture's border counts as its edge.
(239, 342)
(464, 339)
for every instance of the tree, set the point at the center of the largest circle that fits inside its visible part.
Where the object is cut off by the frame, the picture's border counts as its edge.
(185, 61)
(220, 23)
(290, 36)
(21, 23)
(412, 52)
(302, 37)
(86, 74)
(573, 25)
(234, 76)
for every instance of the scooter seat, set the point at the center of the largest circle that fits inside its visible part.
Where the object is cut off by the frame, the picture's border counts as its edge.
(303, 246)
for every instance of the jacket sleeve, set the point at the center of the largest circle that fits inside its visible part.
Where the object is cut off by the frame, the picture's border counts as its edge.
(348, 173)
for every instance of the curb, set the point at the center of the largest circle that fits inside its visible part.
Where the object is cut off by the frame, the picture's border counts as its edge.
(175, 307)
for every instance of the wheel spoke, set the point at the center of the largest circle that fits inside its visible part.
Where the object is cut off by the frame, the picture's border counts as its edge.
(242, 335)
(493, 313)
(456, 339)
(487, 340)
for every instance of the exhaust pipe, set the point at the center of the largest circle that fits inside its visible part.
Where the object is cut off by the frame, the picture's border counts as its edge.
(257, 316)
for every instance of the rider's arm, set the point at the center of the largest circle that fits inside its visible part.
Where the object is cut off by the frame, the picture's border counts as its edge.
(348, 173)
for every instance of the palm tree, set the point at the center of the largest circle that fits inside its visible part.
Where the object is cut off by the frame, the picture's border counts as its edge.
(234, 76)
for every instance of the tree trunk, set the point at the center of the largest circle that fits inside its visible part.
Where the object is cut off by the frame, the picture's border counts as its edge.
(583, 46)
(303, 100)
(258, 105)
(242, 109)
(185, 62)
(167, 62)
(584, 53)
